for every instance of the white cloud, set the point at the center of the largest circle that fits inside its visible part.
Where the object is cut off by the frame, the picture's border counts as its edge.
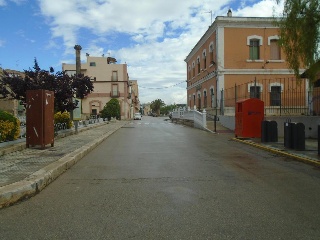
(265, 8)
(161, 34)
(2, 42)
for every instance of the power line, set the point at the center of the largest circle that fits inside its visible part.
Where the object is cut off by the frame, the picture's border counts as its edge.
(162, 87)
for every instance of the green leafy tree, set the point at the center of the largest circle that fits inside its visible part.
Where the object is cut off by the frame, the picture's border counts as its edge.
(111, 109)
(299, 34)
(156, 105)
(64, 86)
(167, 109)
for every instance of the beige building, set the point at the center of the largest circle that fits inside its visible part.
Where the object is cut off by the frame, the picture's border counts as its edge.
(237, 51)
(134, 95)
(12, 106)
(110, 80)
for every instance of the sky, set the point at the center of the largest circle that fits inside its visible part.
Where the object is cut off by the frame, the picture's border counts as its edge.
(153, 37)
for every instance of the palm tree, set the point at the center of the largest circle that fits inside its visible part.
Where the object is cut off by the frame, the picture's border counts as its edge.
(156, 105)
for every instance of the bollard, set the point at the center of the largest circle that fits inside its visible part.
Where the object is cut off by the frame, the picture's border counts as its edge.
(298, 136)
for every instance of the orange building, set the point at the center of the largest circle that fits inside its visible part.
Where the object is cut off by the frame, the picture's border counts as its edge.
(243, 54)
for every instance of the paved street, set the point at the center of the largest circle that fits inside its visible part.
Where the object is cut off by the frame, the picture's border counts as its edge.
(153, 179)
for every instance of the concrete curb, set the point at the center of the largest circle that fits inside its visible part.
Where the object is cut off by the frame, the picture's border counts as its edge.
(36, 182)
(306, 160)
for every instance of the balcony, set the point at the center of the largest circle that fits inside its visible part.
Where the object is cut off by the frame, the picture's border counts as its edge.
(115, 94)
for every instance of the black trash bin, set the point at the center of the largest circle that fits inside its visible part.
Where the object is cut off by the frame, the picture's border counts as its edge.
(269, 131)
(299, 136)
(288, 143)
(318, 139)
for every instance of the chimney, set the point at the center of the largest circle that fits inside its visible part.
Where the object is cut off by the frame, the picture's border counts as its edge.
(78, 62)
(229, 14)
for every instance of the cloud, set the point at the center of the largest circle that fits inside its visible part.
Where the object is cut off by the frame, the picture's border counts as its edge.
(18, 2)
(21, 33)
(153, 38)
(265, 8)
(2, 42)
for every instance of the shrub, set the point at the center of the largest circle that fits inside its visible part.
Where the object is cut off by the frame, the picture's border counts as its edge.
(63, 118)
(111, 109)
(9, 126)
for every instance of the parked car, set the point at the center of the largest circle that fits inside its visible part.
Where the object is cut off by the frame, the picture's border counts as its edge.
(137, 116)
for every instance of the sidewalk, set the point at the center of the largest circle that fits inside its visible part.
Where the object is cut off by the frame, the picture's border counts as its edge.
(26, 171)
(309, 155)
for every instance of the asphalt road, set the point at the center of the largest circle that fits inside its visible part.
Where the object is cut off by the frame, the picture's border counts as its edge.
(156, 180)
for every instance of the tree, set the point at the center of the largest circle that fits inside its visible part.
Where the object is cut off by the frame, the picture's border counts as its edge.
(166, 109)
(156, 105)
(300, 34)
(111, 109)
(65, 87)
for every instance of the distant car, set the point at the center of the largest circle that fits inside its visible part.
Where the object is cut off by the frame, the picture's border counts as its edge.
(137, 116)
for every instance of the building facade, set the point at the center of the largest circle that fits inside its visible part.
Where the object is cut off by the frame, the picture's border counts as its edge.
(238, 51)
(110, 80)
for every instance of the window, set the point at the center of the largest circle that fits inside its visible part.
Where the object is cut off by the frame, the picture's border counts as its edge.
(193, 69)
(93, 111)
(92, 64)
(114, 76)
(275, 96)
(198, 65)
(275, 53)
(194, 100)
(212, 97)
(205, 99)
(204, 57)
(211, 52)
(255, 92)
(199, 101)
(114, 92)
(254, 49)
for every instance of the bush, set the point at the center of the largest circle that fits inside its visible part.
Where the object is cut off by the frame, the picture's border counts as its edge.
(9, 127)
(111, 109)
(63, 118)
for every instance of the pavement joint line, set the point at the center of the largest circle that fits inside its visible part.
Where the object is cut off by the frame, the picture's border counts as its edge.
(37, 181)
(294, 156)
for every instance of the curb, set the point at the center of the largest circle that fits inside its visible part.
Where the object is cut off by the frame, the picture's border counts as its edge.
(37, 181)
(306, 160)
